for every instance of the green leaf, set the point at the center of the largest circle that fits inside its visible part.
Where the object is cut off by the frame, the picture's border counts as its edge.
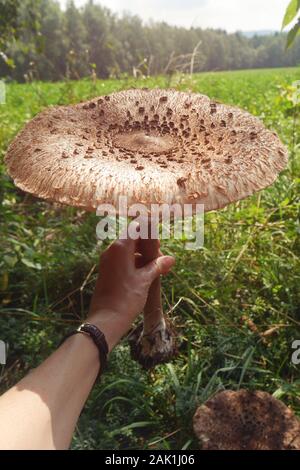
(173, 376)
(292, 34)
(10, 260)
(10, 63)
(140, 424)
(291, 12)
(30, 264)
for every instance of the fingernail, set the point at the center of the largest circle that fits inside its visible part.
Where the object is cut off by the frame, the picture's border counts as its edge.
(166, 263)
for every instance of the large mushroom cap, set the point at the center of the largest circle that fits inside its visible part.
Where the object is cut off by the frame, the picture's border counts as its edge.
(154, 146)
(246, 420)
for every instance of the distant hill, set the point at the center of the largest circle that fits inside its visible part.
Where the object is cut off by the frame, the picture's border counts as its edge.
(263, 32)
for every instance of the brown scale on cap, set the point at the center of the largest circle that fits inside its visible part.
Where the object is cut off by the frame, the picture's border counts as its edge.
(131, 130)
(246, 420)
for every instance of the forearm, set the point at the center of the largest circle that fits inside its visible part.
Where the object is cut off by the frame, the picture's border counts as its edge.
(41, 411)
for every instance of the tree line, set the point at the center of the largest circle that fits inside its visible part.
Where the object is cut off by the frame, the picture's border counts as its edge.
(49, 43)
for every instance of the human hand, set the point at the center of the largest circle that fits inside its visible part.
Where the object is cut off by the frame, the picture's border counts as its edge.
(122, 287)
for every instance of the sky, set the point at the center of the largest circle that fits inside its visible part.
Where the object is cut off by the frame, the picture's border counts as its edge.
(231, 15)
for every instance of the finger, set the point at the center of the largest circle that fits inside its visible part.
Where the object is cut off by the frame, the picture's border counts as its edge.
(129, 239)
(139, 262)
(149, 249)
(155, 268)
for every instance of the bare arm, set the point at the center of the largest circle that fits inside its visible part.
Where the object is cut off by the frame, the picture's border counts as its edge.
(41, 411)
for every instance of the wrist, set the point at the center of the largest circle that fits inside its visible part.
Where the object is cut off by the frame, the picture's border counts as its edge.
(108, 321)
(81, 344)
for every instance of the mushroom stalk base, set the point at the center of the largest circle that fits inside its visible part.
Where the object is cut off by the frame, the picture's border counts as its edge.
(153, 347)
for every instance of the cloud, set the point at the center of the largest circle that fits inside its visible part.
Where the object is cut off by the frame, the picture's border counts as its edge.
(231, 15)
(178, 4)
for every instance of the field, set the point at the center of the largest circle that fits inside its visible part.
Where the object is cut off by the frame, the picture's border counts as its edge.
(235, 303)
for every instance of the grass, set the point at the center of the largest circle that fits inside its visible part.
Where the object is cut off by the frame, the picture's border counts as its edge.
(236, 303)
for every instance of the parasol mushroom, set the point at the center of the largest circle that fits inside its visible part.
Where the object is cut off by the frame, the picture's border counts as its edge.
(246, 420)
(154, 146)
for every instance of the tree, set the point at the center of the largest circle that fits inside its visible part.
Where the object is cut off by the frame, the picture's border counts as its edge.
(76, 42)
(8, 19)
(13, 24)
(97, 21)
(40, 40)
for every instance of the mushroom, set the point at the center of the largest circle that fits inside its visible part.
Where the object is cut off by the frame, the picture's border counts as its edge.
(246, 420)
(154, 146)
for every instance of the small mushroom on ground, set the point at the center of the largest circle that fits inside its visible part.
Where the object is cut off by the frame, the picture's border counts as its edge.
(246, 420)
(149, 126)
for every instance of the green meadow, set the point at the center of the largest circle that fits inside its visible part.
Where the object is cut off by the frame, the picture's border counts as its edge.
(235, 303)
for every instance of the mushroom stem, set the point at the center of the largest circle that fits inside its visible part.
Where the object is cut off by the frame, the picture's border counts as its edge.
(153, 312)
(152, 342)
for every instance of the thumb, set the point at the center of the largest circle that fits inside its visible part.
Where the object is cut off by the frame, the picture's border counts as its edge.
(158, 266)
